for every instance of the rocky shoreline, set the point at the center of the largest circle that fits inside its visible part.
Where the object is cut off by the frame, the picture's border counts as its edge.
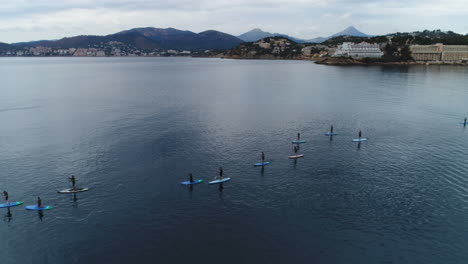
(349, 61)
(334, 61)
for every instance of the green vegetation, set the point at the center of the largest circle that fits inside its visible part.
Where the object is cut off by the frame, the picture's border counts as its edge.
(425, 37)
(267, 48)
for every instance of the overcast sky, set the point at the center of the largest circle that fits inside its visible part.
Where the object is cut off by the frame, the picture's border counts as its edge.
(25, 20)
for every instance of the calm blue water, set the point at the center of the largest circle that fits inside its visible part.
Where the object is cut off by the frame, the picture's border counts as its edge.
(131, 129)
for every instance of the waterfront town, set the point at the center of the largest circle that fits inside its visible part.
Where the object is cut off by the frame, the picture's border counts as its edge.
(269, 47)
(420, 53)
(111, 48)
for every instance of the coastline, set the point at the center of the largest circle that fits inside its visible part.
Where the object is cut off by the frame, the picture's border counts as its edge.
(336, 61)
(331, 61)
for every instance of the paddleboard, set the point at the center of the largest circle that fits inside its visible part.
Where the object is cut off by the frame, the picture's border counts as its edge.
(76, 190)
(463, 123)
(10, 204)
(34, 207)
(296, 156)
(359, 139)
(191, 183)
(330, 134)
(219, 181)
(261, 164)
(298, 141)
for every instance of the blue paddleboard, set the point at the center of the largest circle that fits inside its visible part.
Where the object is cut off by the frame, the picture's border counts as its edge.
(359, 139)
(10, 204)
(219, 181)
(298, 141)
(34, 207)
(463, 123)
(330, 134)
(261, 164)
(191, 183)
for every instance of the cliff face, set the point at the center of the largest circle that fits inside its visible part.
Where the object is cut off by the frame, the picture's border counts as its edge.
(273, 48)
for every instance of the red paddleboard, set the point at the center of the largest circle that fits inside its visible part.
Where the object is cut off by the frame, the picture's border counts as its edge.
(296, 156)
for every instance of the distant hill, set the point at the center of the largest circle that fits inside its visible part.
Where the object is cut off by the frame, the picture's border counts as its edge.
(317, 40)
(349, 31)
(171, 38)
(399, 39)
(267, 48)
(257, 34)
(149, 39)
(31, 43)
(85, 41)
(212, 39)
(4, 46)
(254, 35)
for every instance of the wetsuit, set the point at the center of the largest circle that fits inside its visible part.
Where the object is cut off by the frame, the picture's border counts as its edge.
(295, 149)
(191, 177)
(73, 181)
(220, 172)
(263, 157)
(360, 134)
(39, 202)
(5, 193)
(298, 136)
(331, 130)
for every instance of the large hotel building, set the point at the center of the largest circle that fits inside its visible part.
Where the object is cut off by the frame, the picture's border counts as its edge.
(439, 52)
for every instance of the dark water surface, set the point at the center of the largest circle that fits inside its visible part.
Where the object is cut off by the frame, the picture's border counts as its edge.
(131, 129)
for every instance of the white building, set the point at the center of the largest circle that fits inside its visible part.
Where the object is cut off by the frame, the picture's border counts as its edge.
(361, 50)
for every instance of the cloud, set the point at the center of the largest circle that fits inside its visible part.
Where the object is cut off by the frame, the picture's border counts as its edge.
(23, 20)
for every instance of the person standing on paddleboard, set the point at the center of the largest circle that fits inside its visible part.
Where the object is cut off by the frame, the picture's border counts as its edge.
(190, 177)
(39, 202)
(298, 136)
(360, 134)
(295, 150)
(331, 129)
(263, 157)
(73, 181)
(220, 173)
(464, 122)
(5, 193)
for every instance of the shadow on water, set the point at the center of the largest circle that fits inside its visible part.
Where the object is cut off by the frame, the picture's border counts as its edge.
(262, 171)
(190, 188)
(40, 214)
(220, 193)
(75, 200)
(359, 146)
(8, 216)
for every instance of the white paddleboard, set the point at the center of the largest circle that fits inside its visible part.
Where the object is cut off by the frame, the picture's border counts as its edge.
(219, 181)
(296, 156)
(76, 190)
(359, 139)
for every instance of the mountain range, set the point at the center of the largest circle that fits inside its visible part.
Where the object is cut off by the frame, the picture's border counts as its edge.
(257, 34)
(150, 38)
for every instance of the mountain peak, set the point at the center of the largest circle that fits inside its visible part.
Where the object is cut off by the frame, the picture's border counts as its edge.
(351, 28)
(350, 31)
(256, 30)
(257, 34)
